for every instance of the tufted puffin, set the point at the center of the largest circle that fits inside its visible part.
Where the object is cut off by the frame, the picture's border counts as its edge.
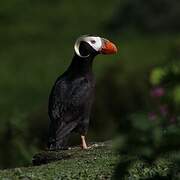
(72, 95)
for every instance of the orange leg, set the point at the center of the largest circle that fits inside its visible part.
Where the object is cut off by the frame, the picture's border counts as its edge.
(83, 142)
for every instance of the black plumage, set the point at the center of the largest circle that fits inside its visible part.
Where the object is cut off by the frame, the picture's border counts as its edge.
(71, 99)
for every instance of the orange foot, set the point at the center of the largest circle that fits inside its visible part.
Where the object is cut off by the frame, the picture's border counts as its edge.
(83, 143)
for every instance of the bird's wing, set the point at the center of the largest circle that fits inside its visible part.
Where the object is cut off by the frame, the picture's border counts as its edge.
(66, 104)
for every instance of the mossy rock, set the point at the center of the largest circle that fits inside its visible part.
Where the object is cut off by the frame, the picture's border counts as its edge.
(98, 162)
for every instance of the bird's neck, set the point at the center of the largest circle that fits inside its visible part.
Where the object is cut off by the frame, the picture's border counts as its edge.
(81, 66)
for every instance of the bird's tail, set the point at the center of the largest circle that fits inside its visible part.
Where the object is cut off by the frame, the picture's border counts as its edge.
(60, 137)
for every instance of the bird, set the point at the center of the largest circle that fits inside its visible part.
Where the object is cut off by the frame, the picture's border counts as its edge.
(72, 95)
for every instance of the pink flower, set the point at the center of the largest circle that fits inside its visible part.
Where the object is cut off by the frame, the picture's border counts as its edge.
(172, 119)
(157, 92)
(163, 110)
(152, 116)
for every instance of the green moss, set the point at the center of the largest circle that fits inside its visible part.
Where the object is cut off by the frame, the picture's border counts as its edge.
(98, 162)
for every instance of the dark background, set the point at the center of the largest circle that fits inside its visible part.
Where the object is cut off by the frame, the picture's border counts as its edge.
(36, 46)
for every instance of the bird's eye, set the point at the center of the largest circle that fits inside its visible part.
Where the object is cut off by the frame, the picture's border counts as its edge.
(93, 41)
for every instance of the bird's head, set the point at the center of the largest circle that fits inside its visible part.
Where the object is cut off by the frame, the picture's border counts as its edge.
(90, 45)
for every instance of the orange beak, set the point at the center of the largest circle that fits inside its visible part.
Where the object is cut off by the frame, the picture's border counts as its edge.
(108, 48)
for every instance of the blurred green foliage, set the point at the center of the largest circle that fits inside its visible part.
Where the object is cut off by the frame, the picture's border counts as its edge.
(14, 146)
(148, 141)
(152, 131)
(153, 135)
(167, 76)
(37, 45)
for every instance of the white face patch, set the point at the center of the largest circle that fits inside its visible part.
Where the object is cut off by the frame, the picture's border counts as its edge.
(94, 41)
